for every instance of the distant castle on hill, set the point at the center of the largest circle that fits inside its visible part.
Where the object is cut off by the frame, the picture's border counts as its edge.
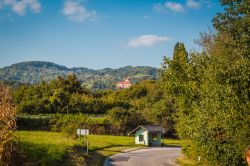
(123, 85)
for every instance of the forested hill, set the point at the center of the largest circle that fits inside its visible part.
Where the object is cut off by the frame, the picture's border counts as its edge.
(36, 71)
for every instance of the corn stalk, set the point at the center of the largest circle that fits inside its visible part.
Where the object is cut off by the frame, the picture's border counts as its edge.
(7, 125)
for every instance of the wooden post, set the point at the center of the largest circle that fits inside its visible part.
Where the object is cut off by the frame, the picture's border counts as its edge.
(87, 151)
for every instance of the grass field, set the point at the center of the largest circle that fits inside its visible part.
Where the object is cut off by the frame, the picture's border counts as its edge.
(45, 148)
(49, 148)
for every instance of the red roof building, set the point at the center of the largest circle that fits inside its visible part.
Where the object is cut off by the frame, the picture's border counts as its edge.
(124, 85)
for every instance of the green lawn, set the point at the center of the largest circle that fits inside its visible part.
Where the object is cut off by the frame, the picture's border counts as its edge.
(45, 148)
(50, 148)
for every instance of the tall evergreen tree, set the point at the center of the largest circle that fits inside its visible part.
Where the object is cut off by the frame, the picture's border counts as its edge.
(180, 54)
(175, 81)
(175, 71)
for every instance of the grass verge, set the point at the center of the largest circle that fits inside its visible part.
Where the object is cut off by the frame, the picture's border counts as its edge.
(50, 148)
(184, 161)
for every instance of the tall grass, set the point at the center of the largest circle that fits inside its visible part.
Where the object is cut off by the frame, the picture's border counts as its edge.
(45, 148)
(7, 125)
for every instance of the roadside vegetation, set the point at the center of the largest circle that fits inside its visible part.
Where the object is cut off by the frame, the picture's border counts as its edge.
(52, 148)
(184, 161)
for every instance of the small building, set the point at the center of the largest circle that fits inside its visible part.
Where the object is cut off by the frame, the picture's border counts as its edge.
(123, 85)
(149, 135)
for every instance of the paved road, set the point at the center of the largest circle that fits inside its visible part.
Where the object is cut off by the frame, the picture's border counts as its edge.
(162, 156)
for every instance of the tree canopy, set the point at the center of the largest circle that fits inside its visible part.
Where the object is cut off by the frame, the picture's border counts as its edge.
(211, 89)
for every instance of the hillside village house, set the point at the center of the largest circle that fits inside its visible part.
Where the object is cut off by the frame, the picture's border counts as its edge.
(149, 135)
(124, 85)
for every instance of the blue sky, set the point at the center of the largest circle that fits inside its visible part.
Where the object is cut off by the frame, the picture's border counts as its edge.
(100, 33)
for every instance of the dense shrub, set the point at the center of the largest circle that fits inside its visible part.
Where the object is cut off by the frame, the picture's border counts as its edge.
(125, 120)
(33, 122)
(68, 124)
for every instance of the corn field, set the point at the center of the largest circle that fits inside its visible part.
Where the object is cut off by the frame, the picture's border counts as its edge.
(7, 125)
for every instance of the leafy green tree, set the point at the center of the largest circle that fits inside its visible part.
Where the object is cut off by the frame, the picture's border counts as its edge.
(163, 112)
(75, 103)
(125, 120)
(213, 107)
(225, 101)
(235, 21)
(59, 101)
(211, 93)
(174, 73)
(72, 84)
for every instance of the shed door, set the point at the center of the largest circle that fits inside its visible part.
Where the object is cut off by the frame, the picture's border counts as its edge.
(141, 138)
(154, 136)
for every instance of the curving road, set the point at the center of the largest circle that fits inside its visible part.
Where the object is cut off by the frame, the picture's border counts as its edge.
(160, 156)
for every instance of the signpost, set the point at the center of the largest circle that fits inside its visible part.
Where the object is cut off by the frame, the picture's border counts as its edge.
(84, 133)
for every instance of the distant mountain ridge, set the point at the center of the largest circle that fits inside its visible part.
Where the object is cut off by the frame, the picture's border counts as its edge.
(36, 71)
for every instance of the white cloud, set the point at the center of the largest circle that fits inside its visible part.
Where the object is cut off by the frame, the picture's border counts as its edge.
(176, 7)
(180, 7)
(20, 7)
(75, 11)
(146, 40)
(159, 7)
(193, 4)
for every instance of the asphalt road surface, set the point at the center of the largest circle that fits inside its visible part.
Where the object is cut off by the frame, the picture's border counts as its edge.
(160, 156)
